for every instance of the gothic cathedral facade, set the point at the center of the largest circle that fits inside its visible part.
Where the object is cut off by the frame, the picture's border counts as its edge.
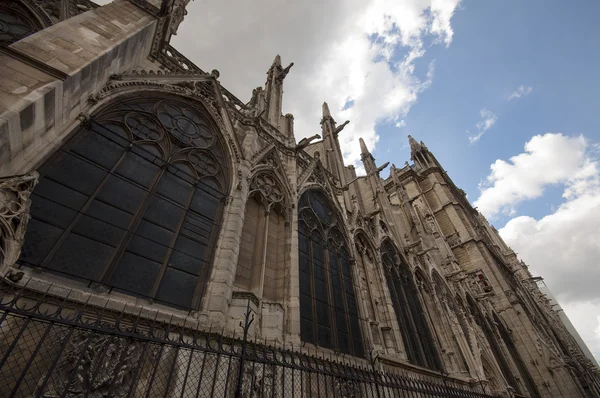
(133, 182)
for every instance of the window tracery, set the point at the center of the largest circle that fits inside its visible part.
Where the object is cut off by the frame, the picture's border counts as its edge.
(16, 23)
(417, 336)
(134, 202)
(329, 315)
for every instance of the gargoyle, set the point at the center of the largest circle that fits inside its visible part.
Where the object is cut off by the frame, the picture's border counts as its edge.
(304, 142)
(383, 166)
(339, 128)
(347, 186)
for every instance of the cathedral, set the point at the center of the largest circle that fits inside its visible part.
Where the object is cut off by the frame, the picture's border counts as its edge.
(162, 238)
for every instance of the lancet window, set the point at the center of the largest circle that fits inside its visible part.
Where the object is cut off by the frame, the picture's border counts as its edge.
(134, 201)
(328, 306)
(417, 336)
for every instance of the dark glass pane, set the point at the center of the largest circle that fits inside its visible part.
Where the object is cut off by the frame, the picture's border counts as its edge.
(354, 326)
(155, 233)
(52, 212)
(304, 262)
(177, 288)
(100, 230)
(346, 266)
(136, 168)
(304, 282)
(318, 252)
(204, 203)
(338, 298)
(324, 336)
(358, 347)
(40, 238)
(77, 174)
(114, 216)
(163, 213)
(341, 322)
(122, 194)
(319, 273)
(98, 149)
(320, 288)
(302, 240)
(306, 330)
(190, 247)
(306, 306)
(186, 263)
(343, 343)
(196, 228)
(135, 274)
(59, 193)
(333, 264)
(147, 248)
(175, 188)
(81, 257)
(323, 313)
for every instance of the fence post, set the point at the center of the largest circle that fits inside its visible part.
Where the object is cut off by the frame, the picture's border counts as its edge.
(247, 322)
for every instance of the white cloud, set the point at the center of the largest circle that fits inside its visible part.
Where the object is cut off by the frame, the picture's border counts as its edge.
(548, 159)
(521, 91)
(364, 50)
(564, 246)
(488, 119)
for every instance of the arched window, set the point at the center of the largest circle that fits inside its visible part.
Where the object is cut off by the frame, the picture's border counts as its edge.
(16, 22)
(501, 359)
(328, 309)
(418, 339)
(133, 201)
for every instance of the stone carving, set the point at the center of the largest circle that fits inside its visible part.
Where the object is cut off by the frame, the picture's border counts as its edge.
(177, 15)
(14, 214)
(268, 186)
(97, 366)
(347, 388)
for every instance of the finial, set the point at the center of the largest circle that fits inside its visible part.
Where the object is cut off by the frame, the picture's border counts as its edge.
(326, 110)
(414, 145)
(277, 61)
(363, 147)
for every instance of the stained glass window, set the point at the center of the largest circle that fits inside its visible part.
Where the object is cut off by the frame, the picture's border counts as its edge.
(328, 308)
(416, 334)
(133, 202)
(16, 22)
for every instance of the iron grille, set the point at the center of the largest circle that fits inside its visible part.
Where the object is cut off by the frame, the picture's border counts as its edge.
(51, 347)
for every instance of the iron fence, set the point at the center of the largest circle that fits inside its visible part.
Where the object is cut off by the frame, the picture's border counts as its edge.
(53, 347)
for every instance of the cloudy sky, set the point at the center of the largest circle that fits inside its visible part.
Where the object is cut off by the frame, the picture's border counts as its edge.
(503, 92)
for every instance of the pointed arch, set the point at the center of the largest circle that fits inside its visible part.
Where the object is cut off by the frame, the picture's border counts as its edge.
(445, 310)
(329, 315)
(261, 261)
(487, 329)
(134, 200)
(417, 336)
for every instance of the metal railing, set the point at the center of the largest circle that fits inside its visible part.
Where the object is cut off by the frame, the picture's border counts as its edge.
(52, 347)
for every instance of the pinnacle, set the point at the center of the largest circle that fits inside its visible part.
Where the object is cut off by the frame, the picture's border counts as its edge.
(326, 110)
(363, 147)
(277, 60)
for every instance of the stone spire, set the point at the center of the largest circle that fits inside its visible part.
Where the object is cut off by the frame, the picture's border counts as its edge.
(414, 146)
(273, 97)
(326, 112)
(419, 153)
(366, 157)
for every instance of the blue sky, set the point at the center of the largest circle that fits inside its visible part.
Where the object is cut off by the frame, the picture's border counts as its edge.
(551, 46)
